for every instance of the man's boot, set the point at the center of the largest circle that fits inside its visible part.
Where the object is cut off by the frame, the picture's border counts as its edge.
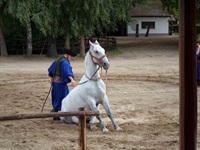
(52, 111)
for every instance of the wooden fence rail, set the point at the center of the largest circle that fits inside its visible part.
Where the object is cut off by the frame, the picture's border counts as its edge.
(42, 47)
(81, 114)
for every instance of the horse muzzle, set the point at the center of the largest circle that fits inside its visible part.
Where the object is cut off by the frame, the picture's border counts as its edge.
(105, 64)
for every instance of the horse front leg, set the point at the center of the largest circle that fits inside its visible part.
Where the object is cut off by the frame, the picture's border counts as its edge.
(102, 124)
(108, 111)
(93, 107)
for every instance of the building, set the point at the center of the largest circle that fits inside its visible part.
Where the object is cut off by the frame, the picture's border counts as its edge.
(150, 15)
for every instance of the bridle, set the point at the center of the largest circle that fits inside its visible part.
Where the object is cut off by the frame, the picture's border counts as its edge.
(99, 63)
(98, 59)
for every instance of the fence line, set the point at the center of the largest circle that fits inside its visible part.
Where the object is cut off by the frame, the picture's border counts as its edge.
(81, 114)
(106, 42)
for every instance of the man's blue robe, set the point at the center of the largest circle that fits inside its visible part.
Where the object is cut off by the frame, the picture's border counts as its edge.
(60, 89)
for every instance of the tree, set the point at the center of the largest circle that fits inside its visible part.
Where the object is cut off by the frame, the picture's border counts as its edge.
(77, 19)
(171, 5)
(84, 18)
(71, 19)
(28, 12)
(3, 49)
(56, 24)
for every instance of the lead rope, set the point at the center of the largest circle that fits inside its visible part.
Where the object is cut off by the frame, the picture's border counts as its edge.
(106, 80)
(91, 76)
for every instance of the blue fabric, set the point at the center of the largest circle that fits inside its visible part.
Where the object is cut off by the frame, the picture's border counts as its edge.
(50, 69)
(60, 89)
(66, 71)
(58, 93)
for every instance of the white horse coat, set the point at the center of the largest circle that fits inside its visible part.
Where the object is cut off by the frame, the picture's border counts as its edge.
(91, 90)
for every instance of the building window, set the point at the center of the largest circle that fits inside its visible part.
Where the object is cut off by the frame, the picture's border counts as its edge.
(146, 24)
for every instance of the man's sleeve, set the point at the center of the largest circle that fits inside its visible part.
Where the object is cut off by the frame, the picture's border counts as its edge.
(66, 71)
(50, 69)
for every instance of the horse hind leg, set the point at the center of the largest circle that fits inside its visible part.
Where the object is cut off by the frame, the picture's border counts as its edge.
(92, 119)
(90, 123)
(75, 119)
(66, 120)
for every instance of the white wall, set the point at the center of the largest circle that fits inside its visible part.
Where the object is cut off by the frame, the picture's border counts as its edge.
(161, 26)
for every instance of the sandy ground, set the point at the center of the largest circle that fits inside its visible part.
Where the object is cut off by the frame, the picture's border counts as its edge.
(143, 91)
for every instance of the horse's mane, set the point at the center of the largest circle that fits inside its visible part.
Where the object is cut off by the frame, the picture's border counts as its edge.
(86, 57)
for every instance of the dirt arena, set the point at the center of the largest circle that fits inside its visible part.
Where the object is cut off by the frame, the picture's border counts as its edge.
(143, 91)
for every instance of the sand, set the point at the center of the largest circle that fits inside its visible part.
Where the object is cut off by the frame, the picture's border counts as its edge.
(143, 91)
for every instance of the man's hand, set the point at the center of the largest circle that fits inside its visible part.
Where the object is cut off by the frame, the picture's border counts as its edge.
(51, 81)
(73, 82)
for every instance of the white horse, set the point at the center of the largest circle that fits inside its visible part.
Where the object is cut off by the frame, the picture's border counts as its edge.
(91, 90)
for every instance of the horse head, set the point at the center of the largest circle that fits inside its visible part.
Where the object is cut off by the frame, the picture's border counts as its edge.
(98, 55)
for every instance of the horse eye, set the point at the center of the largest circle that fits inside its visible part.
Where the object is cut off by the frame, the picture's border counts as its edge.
(96, 52)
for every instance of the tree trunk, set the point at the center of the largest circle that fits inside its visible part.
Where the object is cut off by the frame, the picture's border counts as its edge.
(52, 50)
(67, 42)
(3, 49)
(29, 48)
(82, 46)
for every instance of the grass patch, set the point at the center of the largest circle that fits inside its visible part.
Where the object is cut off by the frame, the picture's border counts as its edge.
(114, 52)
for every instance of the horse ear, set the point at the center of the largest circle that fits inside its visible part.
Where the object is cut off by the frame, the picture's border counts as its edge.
(90, 43)
(96, 42)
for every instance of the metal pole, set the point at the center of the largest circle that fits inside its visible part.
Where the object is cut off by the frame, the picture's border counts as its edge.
(187, 74)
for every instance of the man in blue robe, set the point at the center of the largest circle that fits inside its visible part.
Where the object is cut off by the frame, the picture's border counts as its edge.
(61, 74)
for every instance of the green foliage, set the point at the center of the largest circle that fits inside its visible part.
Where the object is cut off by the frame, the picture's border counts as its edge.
(81, 17)
(171, 5)
(73, 18)
(33, 10)
(59, 18)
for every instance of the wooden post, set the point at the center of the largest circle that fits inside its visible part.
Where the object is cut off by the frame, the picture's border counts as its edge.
(137, 30)
(47, 115)
(188, 80)
(82, 130)
(147, 33)
(82, 120)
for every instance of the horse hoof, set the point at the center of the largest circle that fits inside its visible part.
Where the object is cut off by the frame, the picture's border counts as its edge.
(105, 130)
(119, 129)
(91, 126)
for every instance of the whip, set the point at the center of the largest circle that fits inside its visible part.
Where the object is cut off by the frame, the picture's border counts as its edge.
(46, 98)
